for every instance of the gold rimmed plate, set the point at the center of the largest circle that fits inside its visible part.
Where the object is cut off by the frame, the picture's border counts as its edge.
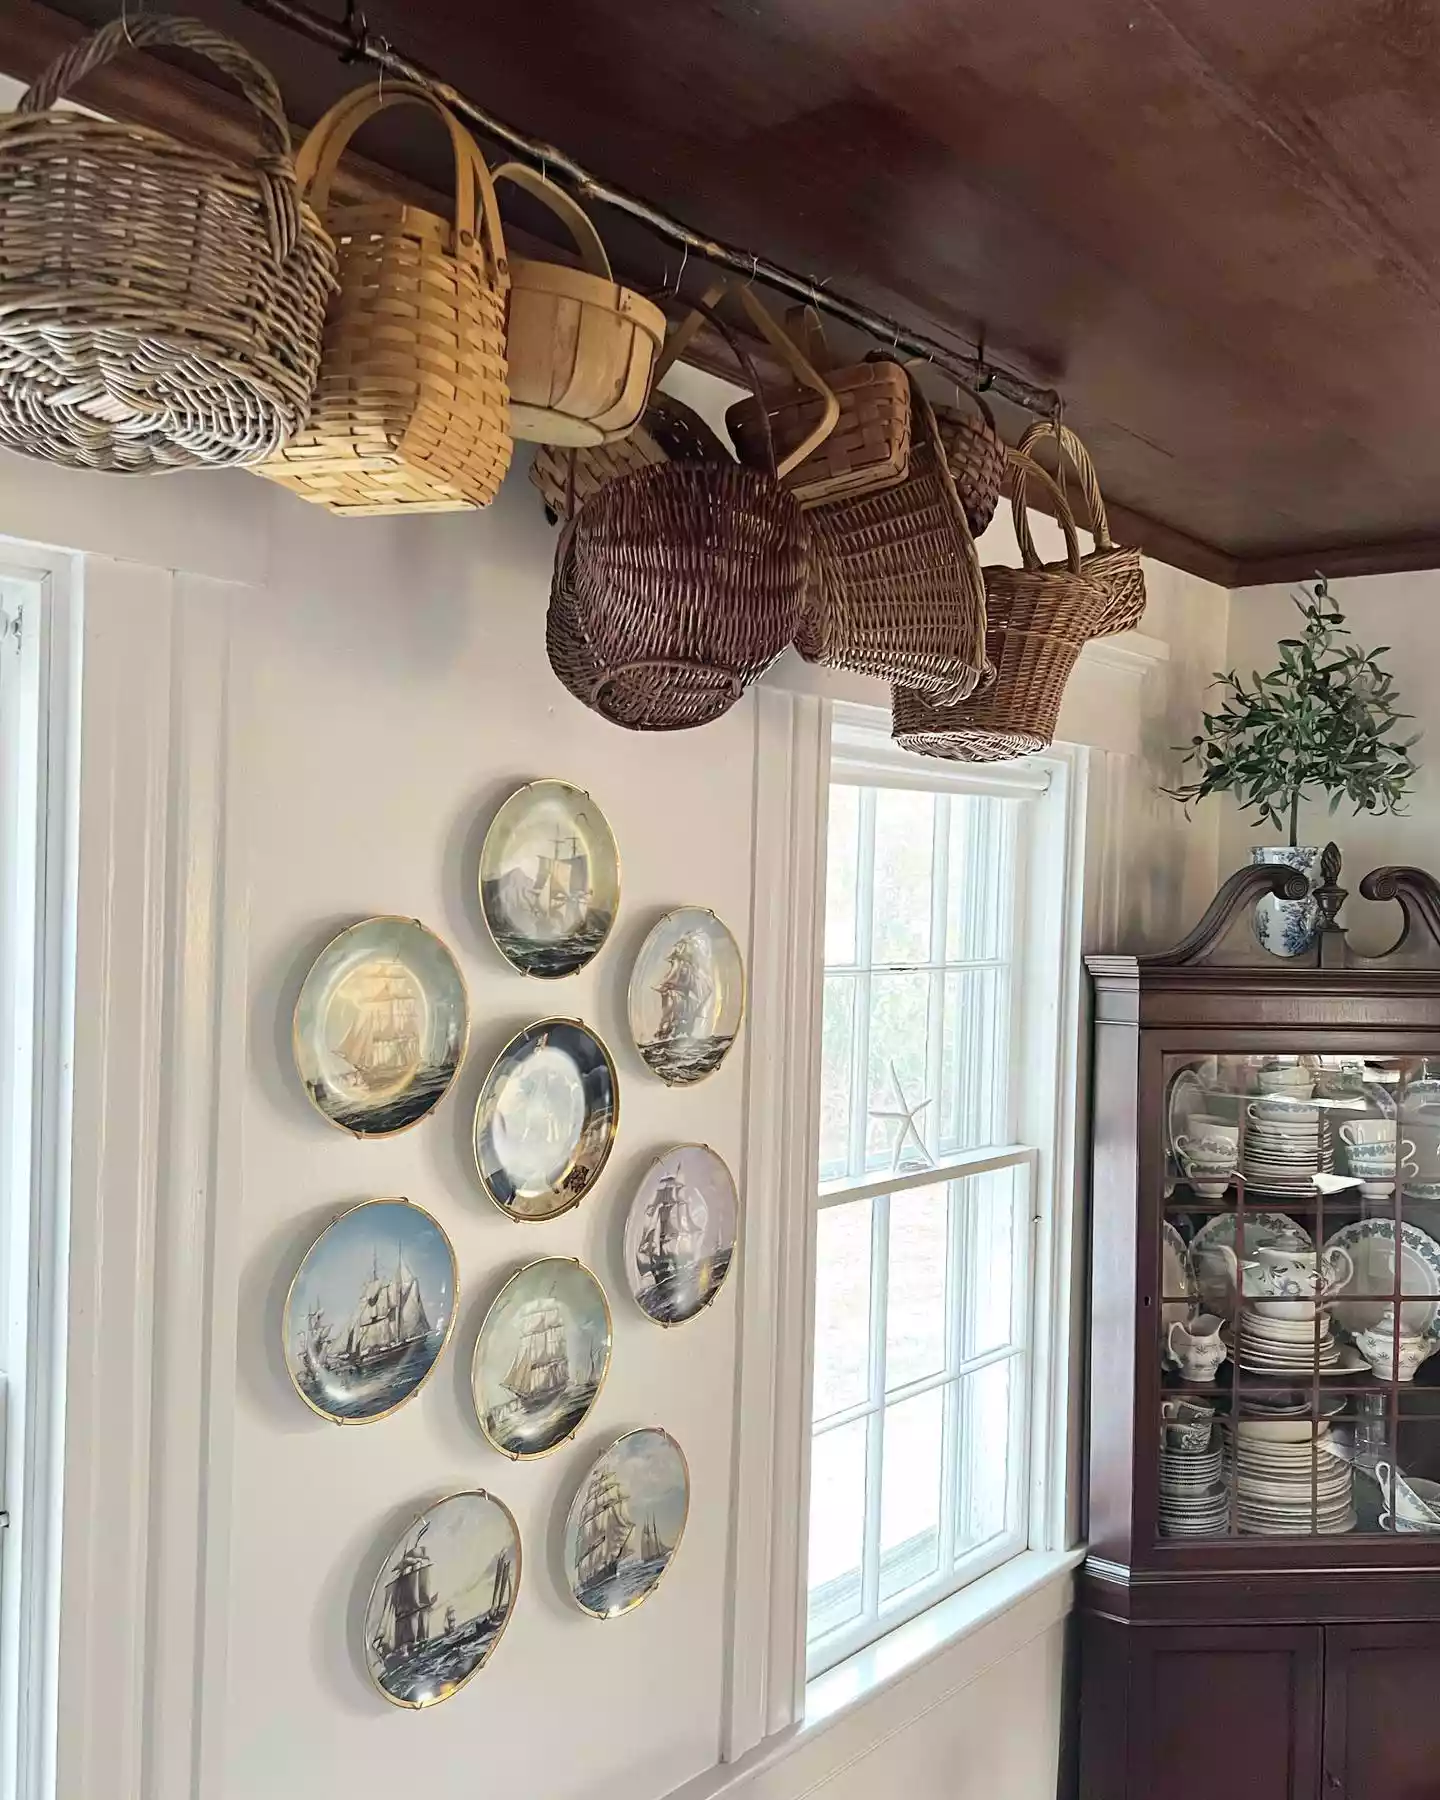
(549, 879)
(626, 1522)
(381, 1026)
(546, 1118)
(442, 1598)
(370, 1311)
(680, 1233)
(541, 1357)
(687, 996)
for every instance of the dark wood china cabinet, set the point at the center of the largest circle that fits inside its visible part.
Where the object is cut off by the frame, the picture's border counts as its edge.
(1260, 1605)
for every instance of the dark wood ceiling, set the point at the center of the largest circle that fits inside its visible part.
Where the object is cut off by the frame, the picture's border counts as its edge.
(1214, 224)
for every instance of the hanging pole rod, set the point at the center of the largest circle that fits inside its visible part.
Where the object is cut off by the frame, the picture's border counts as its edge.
(358, 45)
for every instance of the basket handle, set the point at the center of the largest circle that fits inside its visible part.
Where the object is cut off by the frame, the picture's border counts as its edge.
(800, 367)
(807, 329)
(274, 163)
(475, 228)
(570, 213)
(1024, 468)
(1068, 445)
(921, 410)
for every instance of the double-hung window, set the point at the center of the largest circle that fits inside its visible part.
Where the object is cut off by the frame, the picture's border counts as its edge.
(935, 1148)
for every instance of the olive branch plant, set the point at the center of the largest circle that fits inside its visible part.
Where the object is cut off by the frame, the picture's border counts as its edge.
(1325, 718)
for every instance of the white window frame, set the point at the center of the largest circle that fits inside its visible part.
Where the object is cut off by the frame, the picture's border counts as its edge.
(39, 816)
(770, 1693)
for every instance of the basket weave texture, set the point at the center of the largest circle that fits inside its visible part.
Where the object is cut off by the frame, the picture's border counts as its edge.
(868, 449)
(163, 306)
(976, 454)
(1040, 618)
(896, 588)
(670, 432)
(1110, 565)
(674, 588)
(411, 412)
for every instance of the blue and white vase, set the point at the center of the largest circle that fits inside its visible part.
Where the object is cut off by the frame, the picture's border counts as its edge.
(1288, 927)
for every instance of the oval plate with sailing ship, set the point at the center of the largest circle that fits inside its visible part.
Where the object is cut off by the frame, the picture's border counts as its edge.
(381, 1026)
(545, 1120)
(626, 1522)
(680, 1233)
(541, 1357)
(687, 996)
(549, 879)
(370, 1311)
(442, 1599)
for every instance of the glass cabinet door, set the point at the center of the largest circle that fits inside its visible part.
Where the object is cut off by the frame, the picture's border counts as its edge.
(1300, 1297)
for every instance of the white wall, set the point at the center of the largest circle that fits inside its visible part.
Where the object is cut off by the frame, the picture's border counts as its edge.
(1402, 611)
(291, 722)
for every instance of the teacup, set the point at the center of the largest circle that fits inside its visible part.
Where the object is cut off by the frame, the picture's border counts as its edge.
(1187, 1425)
(1379, 1348)
(1278, 1109)
(1197, 1347)
(1411, 1504)
(1287, 1078)
(1207, 1125)
(1208, 1162)
(1355, 1133)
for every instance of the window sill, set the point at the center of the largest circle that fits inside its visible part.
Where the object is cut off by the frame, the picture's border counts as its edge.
(938, 1628)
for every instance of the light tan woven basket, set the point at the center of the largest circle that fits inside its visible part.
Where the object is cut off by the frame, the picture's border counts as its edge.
(161, 306)
(895, 587)
(868, 447)
(411, 412)
(581, 347)
(1111, 566)
(1040, 618)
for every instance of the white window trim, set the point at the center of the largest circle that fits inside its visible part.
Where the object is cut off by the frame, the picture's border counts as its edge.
(767, 1689)
(40, 611)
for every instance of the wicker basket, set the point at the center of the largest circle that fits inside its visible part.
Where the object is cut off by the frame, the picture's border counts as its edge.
(868, 448)
(581, 348)
(1111, 566)
(976, 453)
(410, 412)
(1040, 618)
(669, 432)
(162, 305)
(674, 589)
(895, 587)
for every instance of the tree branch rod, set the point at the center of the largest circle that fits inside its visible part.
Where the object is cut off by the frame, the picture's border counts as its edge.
(359, 45)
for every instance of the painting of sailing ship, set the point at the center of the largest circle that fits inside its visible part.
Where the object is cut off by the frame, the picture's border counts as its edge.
(549, 879)
(370, 1311)
(545, 1119)
(442, 1599)
(381, 1026)
(687, 996)
(626, 1522)
(680, 1233)
(541, 1357)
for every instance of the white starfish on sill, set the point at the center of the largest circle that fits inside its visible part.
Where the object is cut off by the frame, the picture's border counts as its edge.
(905, 1118)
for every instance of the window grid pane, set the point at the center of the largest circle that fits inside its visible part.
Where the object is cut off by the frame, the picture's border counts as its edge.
(921, 1364)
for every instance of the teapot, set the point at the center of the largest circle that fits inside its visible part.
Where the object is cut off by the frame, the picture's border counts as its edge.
(1289, 1277)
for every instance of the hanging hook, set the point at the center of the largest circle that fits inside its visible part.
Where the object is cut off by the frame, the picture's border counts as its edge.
(359, 31)
(984, 377)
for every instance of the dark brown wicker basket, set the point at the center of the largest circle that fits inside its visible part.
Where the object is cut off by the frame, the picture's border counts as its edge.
(676, 587)
(976, 453)
(1040, 618)
(669, 432)
(1110, 565)
(896, 588)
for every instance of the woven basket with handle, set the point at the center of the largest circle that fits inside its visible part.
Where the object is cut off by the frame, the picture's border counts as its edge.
(674, 589)
(669, 432)
(868, 447)
(1040, 618)
(410, 412)
(976, 454)
(1110, 565)
(162, 306)
(895, 587)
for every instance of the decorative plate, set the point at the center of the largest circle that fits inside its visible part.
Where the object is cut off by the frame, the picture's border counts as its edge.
(442, 1599)
(1370, 1245)
(545, 1120)
(680, 1233)
(541, 1357)
(1177, 1279)
(381, 1026)
(549, 879)
(687, 996)
(1217, 1291)
(370, 1311)
(626, 1522)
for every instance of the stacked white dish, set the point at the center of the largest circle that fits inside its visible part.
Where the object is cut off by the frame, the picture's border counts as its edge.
(1289, 1481)
(1193, 1498)
(1271, 1345)
(1282, 1146)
